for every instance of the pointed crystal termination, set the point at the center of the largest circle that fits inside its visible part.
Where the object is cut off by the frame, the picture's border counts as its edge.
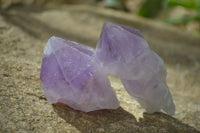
(124, 52)
(70, 75)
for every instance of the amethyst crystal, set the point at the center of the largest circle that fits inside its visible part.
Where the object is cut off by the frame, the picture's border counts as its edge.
(124, 52)
(71, 75)
(75, 75)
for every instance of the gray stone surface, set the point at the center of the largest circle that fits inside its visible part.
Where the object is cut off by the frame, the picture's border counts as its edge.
(23, 108)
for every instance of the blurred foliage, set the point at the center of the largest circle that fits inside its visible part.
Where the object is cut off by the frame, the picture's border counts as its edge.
(164, 10)
(192, 4)
(151, 8)
(116, 4)
(189, 4)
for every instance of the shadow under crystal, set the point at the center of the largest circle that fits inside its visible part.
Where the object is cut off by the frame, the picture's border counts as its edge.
(119, 120)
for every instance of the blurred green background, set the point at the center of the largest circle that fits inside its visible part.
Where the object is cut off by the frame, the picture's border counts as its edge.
(181, 13)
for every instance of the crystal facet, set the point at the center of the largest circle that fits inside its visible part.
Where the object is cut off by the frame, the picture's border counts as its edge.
(124, 52)
(75, 75)
(71, 75)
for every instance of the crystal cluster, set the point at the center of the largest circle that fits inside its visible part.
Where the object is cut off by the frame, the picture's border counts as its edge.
(70, 75)
(75, 75)
(124, 52)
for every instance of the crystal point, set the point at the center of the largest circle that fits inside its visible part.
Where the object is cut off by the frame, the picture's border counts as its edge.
(75, 74)
(124, 52)
(70, 75)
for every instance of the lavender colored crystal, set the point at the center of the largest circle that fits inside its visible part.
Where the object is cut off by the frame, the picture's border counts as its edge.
(75, 75)
(124, 52)
(71, 75)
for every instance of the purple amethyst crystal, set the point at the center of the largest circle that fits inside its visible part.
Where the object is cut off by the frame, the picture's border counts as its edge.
(124, 52)
(71, 75)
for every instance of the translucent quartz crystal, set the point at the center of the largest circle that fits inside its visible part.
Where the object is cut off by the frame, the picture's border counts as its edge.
(124, 52)
(70, 75)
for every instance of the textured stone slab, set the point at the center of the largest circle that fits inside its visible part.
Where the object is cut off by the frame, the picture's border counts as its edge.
(23, 107)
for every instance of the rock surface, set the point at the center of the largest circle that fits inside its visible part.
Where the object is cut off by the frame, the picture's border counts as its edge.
(23, 107)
